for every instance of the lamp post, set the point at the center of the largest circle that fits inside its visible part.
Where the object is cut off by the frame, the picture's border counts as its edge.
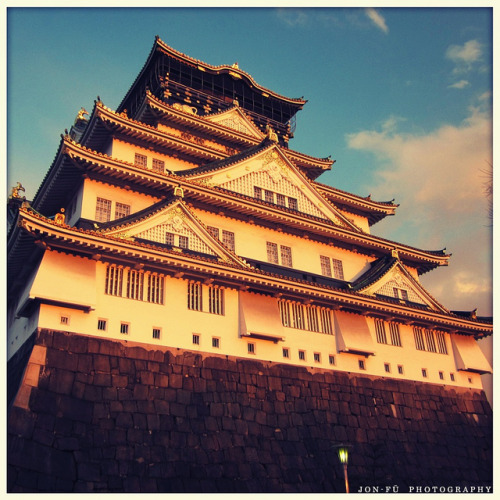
(343, 452)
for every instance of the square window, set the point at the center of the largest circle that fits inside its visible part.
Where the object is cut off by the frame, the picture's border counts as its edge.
(184, 242)
(400, 369)
(124, 328)
(140, 160)
(317, 357)
(286, 352)
(361, 364)
(302, 355)
(441, 375)
(121, 210)
(156, 333)
(102, 324)
(196, 339)
(170, 239)
(64, 320)
(387, 367)
(251, 348)
(269, 196)
(158, 165)
(331, 359)
(292, 203)
(424, 372)
(280, 199)
(215, 342)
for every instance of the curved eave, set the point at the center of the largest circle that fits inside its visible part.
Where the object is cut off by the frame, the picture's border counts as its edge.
(128, 174)
(95, 245)
(375, 211)
(160, 47)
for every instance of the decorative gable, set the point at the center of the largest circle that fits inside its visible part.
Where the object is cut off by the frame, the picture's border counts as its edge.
(235, 119)
(176, 227)
(271, 177)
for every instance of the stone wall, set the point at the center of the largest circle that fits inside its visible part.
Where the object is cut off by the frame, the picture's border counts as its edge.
(96, 415)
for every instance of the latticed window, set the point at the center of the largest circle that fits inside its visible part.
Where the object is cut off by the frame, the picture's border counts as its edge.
(419, 338)
(257, 192)
(158, 165)
(140, 160)
(194, 296)
(183, 241)
(286, 256)
(214, 231)
(326, 268)
(155, 288)
(124, 328)
(135, 284)
(114, 280)
(337, 269)
(441, 343)
(395, 335)
(156, 333)
(326, 321)
(228, 239)
(380, 331)
(292, 203)
(317, 357)
(400, 293)
(102, 324)
(430, 341)
(215, 300)
(312, 319)
(103, 210)
(170, 239)
(121, 210)
(269, 196)
(280, 199)
(284, 308)
(302, 355)
(272, 252)
(298, 317)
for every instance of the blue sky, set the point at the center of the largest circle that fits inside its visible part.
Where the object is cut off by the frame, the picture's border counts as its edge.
(400, 97)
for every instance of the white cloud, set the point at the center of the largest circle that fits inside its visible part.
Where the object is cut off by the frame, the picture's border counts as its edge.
(293, 17)
(459, 85)
(438, 180)
(377, 19)
(464, 56)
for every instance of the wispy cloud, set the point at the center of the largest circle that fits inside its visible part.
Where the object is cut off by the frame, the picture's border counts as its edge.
(437, 179)
(377, 19)
(464, 56)
(293, 17)
(459, 85)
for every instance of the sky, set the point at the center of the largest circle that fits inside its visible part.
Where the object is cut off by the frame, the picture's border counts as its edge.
(401, 98)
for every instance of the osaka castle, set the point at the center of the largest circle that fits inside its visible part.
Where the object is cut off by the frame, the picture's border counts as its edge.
(185, 220)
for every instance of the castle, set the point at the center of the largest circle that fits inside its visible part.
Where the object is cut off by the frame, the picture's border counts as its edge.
(183, 222)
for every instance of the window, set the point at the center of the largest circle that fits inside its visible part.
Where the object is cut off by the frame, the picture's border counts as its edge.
(251, 348)
(65, 320)
(114, 278)
(121, 210)
(419, 338)
(302, 355)
(400, 369)
(470, 380)
(317, 357)
(424, 372)
(228, 239)
(395, 335)
(103, 210)
(196, 339)
(310, 317)
(215, 300)
(331, 359)
(452, 377)
(170, 239)
(135, 284)
(269, 196)
(156, 333)
(257, 192)
(441, 375)
(286, 256)
(158, 165)
(441, 343)
(183, 242)
(214, 231)
(332, 268)
(361, 364)
(292, 203)
(380, 331)
(286, 352)
(124, 328)
(429, 340)
(280, 200)
(387, 367)
(272, 252)
(140, 160)
(155, 288)
(215, 342)
(102, 324)
(399, 293)
(194, 296)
